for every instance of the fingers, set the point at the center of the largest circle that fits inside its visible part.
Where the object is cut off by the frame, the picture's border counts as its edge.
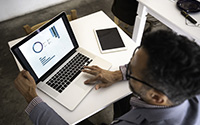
(28, 76)
(25, 84)
(101, 85)
(19, 81)
(19, 77)
(93, 70)
(92, 67)
(24, 77)
(89, 72)
(92, 80)
(99, 76)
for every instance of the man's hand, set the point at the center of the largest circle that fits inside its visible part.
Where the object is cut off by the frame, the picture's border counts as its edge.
(26, 85)
(105, 77)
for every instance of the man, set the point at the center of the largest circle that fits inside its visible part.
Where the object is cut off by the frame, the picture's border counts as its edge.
(163, 74)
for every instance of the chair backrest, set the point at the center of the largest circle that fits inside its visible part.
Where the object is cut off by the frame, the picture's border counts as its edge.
(29, 29)
(123, 26)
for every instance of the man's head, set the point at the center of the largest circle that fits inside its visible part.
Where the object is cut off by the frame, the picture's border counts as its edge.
(170, 64)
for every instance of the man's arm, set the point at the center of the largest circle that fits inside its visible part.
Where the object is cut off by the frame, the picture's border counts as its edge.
(40, 113)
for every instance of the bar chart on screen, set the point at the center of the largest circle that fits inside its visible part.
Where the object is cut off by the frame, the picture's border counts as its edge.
(44, 60)
(54, 32)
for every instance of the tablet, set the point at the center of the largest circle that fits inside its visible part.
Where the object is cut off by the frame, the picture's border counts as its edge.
(109, 40)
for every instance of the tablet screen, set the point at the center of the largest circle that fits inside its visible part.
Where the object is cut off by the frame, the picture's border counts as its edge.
(109, 39)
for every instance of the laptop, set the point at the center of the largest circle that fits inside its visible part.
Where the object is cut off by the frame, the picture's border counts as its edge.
(53, 57)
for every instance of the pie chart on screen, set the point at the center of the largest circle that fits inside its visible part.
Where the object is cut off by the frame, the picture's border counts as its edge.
(37, 47)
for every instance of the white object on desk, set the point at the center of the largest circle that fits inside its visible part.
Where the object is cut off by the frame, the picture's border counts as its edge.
(167, 13)
(96, 100)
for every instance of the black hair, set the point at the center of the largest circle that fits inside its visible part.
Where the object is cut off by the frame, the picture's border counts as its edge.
(173, 65)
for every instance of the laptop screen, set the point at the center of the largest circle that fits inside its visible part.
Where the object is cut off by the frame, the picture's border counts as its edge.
(51, 44)
(45, 49)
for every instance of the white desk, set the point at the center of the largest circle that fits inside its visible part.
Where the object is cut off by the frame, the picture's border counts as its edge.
(166, 12)
(96, 100)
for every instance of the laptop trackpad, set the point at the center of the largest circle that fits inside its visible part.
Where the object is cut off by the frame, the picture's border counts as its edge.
(82, 79)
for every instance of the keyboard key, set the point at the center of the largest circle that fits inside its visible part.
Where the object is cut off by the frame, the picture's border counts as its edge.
(75, 75)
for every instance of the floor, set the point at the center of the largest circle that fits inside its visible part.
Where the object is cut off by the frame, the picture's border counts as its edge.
(12, 104)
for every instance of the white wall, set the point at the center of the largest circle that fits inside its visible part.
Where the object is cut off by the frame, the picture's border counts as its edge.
(13, 8)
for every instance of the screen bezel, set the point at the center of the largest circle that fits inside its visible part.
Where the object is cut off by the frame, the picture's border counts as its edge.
(22, 60)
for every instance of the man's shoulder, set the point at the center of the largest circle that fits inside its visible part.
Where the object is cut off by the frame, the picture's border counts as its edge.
(198, 97)
(174, 114)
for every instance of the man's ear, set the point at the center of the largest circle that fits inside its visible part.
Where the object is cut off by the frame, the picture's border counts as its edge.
(157, 98)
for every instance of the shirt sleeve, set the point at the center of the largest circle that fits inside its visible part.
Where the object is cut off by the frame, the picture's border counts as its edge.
(32, 104)
(123, 70)
(41, 114)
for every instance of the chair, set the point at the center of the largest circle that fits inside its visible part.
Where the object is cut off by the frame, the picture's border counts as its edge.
(124, 26)
(29, 29)
(124, 13)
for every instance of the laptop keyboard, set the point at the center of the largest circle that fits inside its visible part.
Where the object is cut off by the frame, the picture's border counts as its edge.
(68, 73)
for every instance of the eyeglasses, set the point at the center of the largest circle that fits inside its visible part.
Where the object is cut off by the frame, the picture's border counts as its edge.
(128, 76)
